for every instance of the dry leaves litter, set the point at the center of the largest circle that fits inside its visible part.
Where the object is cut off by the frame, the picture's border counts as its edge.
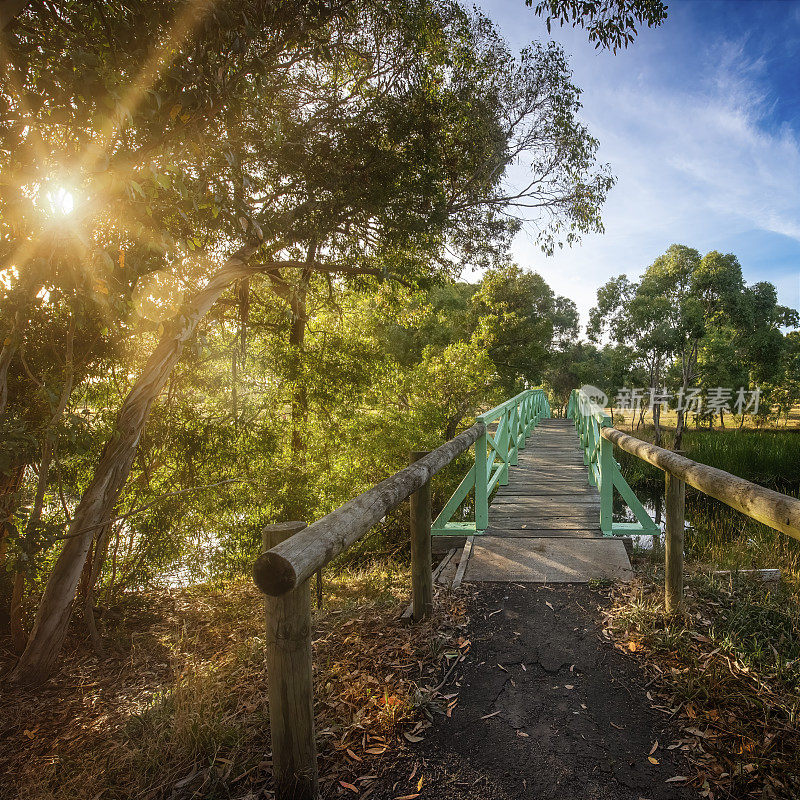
(178, 716)
(738, 719)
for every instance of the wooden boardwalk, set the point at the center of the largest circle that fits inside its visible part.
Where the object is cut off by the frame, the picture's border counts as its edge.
(544, 526)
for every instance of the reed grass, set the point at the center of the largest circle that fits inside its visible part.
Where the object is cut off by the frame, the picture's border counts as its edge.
(769, 458)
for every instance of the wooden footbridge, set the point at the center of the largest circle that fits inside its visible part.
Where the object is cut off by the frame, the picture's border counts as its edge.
(544, 525)
(535, 506)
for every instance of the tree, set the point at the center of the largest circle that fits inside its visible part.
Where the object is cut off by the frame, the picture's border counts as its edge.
(576, 363)
(610, 23)
(240, 140)
(518, 318)
(691, 316)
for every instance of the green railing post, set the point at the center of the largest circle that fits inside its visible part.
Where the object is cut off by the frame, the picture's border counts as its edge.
(504, 447)
(514, 436)
(494, 454)
(481, 485)
(603, 470)
(607, 466)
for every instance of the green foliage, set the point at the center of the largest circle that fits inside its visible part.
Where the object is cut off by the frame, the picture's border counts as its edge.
(610, 23)
(356, 148)
(770, 458)
(520, 321)
(692, 318)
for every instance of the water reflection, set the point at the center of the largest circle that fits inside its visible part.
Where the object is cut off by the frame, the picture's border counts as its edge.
(653, 502)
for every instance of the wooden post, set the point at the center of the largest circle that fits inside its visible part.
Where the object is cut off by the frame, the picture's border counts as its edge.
(291, 689)
(421, 567)
(674, 498)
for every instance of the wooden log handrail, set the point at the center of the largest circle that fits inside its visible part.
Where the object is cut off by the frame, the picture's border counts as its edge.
(290, 563)
(778, 511)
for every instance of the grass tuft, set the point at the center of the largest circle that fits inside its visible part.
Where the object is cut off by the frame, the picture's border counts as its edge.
(728, 669)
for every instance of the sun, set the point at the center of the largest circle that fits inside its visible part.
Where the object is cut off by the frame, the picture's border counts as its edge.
(61, 201)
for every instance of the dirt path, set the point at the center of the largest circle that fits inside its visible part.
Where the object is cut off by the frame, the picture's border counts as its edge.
(547, 708)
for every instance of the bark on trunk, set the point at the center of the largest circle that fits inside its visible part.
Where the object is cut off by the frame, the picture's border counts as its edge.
(100, 497)
(18, 635)
(95, 567)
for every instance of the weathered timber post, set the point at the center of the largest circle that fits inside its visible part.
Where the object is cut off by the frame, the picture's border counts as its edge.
(674, 499)
(291, 689)
(421, 568)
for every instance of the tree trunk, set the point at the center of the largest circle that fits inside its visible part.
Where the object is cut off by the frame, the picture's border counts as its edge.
(18, 635)
(10, 484)
(657, 408)
(111, 473)
(95, 567)
(297, 338)
(48, 449)
(679, 428)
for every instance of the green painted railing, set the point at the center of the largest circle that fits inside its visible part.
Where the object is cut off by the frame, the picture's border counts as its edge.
(598, 455)
(495, 452)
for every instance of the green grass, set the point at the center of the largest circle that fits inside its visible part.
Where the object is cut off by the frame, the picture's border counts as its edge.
(770, 458)
(728, 669)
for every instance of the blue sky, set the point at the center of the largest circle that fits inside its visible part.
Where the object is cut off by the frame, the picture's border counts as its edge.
(700, 121)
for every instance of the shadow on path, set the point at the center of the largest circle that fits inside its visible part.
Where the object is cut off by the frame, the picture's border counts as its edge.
(547, 709)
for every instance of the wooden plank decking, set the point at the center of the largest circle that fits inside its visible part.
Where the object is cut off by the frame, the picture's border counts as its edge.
(544, 526)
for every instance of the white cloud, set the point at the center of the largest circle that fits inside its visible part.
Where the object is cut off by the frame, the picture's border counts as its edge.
(685, 128)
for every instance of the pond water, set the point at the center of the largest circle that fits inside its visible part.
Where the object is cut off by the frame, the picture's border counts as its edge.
(653, 503)
(706, 520)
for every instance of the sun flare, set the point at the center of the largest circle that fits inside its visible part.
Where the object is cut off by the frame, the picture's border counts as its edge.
(61, 201)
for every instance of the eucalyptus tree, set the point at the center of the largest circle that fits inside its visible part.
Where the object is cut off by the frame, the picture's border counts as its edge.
(694, 317)
(519, 320)
(668, 312)
(609, 23)
(638, 319)
(260, 143)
